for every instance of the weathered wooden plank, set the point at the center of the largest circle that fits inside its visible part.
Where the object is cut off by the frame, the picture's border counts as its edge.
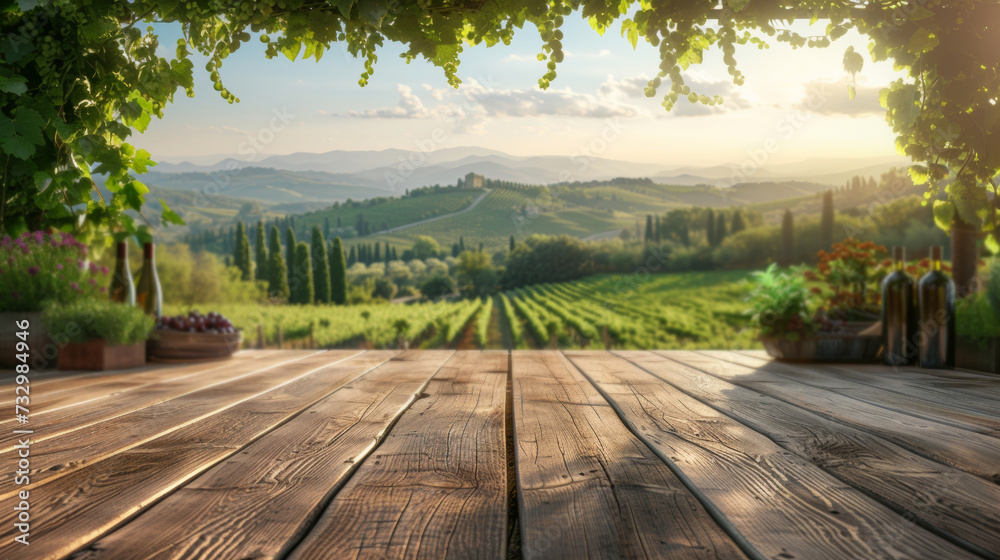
(80, 507)
(97, 433)
(968, 401)
(65, 387)
(437, 486)
(955, 504)
(969, 451)
(587, 487)
(259, 502)
(55, 413)
(785, 506)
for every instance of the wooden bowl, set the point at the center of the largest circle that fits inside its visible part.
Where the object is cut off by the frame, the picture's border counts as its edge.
(179, 346)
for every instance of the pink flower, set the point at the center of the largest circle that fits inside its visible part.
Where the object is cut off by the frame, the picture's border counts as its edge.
(75, 285)
(59, 266)
(33, 270)
(103, 289)
(93, 267)
(92, 282)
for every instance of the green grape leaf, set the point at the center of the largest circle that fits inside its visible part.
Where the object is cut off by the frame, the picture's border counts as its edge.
(142, 161)
(169, 216)
(133, 192)
(15, 85)
(373, 11)
(21, 135)
(944, 213)
(922, 41)
(344, 6)
(853, 61)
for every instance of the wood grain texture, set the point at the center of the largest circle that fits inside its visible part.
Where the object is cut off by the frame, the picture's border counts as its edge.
(587, 487)
(969, 451)
(84, 407)
(956, 504)
(97, 433)
(258, 502)
(967, 401)
(436, 487)
(785, 506)
(58, 391)
(78, 508)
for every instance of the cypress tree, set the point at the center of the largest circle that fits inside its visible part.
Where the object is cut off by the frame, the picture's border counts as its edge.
(720, 229)
(394, 257)
(273, 242)
(512, 243)
(455, 249)
(377, 256)
(338, 273)
(658, 228)
(277, 282)
(241, 252)
(738, 224)
(351, 259)
(826, 222)
(787, 238)
(302, 280)
(710, 227)
(261, 273)
(321, 268)
(388, 253)
(648, 238)
(326, 226)
(290, 249)
(461, 245)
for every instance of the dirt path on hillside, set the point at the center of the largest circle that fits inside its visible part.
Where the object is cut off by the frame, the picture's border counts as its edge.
(441, 217)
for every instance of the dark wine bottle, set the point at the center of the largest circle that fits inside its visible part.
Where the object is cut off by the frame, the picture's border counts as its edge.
(899, 314)
(936, 293)
(148, 295)
(122, 289)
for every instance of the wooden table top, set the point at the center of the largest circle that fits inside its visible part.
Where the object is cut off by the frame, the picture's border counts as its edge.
(481, 455)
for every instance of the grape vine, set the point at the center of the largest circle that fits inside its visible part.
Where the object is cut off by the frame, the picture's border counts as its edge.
(77, 79)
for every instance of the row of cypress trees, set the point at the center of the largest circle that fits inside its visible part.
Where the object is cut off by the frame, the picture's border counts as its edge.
(314, 272)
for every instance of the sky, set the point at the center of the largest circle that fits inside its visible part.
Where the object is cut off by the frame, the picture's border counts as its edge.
(793, 106)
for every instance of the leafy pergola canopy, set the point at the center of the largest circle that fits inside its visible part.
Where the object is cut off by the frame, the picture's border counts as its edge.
(79, 77)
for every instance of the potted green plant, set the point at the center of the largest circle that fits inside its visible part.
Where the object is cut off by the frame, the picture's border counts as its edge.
(792, 328)
(36, 268)
(98, 334)
(977, 323)
(780, 313)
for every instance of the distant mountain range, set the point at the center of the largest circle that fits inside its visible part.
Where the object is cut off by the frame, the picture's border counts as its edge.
(338, 175)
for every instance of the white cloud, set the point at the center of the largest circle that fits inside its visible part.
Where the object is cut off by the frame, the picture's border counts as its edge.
(634, 87)
(831, 98)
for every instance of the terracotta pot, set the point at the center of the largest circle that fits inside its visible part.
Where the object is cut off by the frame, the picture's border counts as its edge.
(98, 355)
(177, 346)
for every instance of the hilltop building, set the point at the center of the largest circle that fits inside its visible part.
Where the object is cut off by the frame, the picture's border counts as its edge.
(473, 181)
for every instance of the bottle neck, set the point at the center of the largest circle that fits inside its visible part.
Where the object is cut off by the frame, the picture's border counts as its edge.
(122, 250)
(147, 251)
(936, 265)
(897, 266)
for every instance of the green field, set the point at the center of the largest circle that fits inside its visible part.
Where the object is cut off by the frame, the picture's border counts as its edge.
(506, 212)
(684, 310)
(393, 212)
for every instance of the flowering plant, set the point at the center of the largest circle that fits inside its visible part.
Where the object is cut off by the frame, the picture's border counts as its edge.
(851, 271)
(38, 267)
